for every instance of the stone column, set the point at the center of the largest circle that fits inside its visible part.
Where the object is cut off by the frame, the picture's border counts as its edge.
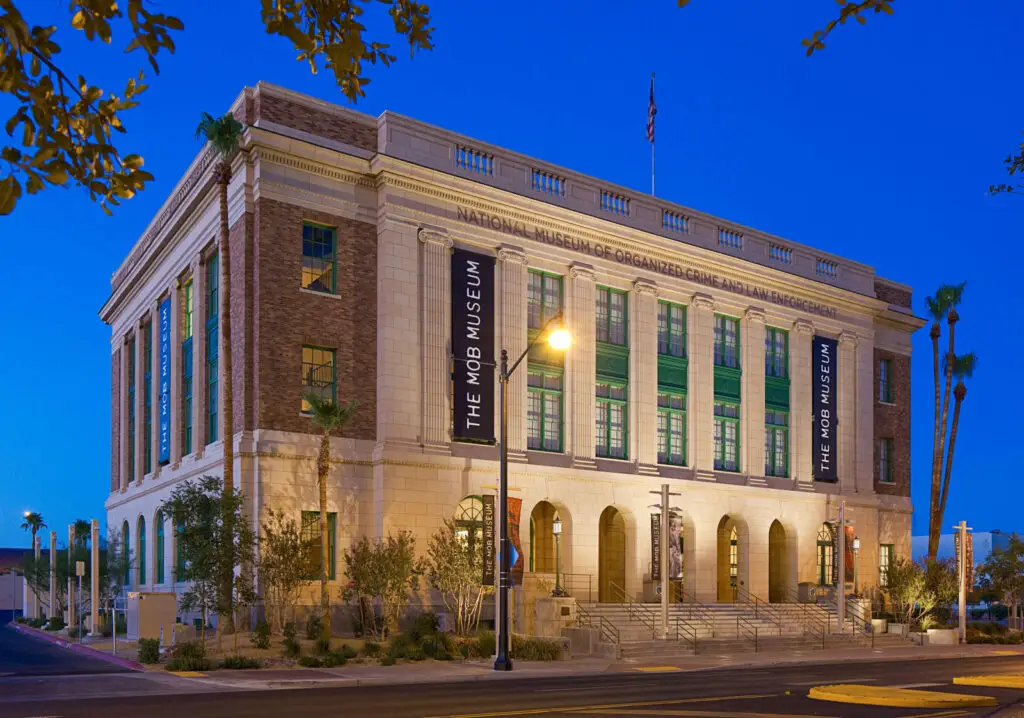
(752, 393)
(512, 262)
(581, 363)
(643, 376)
(140, 407)
(199, 383)
(176, 375)
(123, 414)
(435, 312)
(154, 388)
(52, 609)
(94, 577)
(801, 419)
(701, 383)
(72, 579)
(865, 431)
(847, 397)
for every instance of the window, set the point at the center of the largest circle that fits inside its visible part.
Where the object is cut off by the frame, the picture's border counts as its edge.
(186, 367)
(886, 554)
(126, 549)
(885, 381)
(179, 559)
(544, 410)
(734, 560)
(212, 334)
(672, 428)
(610, 419)
(317, 375)
(319, 255)
(611, 316)
(469, 522)
(310, 537)
(727, 432)
(727, 341)
(131, 410)
(776, 443)
(776, 352)
(141, 558)
(671, 329)
(147, 399)
(825, 548)
(159, 578)
(885, 461)
(544, 298)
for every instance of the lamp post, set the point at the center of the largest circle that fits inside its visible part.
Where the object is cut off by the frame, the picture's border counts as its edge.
(856, 562)
(559, 339)
(556, 529)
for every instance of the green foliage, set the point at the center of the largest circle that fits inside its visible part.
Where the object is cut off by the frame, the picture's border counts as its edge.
(387, 660)
(56, 623)
(455, 568)
(20, 619)
(240, 662)
(386, 571)
(314, 626)
(1003, 573)
(37, 622)
(1012, 638)
(33, 519)
(292, 647)
(920, 593)
(260, 637)
(289, 630)
(322, 645)
(371, 649)
(189, 656)
(347, 651)
(149, 650)
(535, 649)
(332, 660)
(283, 565)
(310, 662)
(223, 134)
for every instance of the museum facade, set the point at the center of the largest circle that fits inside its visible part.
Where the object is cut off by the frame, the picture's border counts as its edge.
(389, 262)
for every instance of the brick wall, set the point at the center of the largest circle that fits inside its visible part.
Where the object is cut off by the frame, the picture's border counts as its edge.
(286, 318)
(892, 421)
(115, 420)
(893, 295)
(315, 121)
(242, 262)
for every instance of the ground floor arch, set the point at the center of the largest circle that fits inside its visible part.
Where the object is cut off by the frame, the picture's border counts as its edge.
(733, 558)
(611, 554)
(542, 538)
(778, 591)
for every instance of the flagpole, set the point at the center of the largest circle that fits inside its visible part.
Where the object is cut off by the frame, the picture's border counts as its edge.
(652, 142)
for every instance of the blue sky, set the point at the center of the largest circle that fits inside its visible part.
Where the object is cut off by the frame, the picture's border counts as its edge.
(879, 149)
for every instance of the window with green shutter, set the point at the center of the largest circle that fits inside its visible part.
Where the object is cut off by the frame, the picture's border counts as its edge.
(160, 545)
(671, 428)
(319, 258)
(544, 409)
(727, 436)
(727, 341)
(310, 537)
(611, 316)
(776, 352)
(610, 416)
(140, 557)
(776, 443)
(212, 341)
(318, 375)
(671, 329)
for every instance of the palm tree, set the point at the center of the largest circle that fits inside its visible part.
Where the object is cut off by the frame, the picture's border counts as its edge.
(33, 522)
(962, 367)
(82, 530)
(329, 416)
(224, 136)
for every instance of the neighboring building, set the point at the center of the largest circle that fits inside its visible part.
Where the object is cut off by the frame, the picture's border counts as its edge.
(985, 542)
(744, 370)
(12, 582)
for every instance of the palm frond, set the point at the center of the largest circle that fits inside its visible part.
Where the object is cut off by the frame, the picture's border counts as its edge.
(327, 414)
(963, 365)
(224, 133)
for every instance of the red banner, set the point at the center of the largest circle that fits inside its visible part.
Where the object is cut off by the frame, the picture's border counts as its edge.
(515, 506)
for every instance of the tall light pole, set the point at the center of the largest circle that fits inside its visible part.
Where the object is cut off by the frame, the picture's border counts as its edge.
(559, 339)
(856, 563)
(556, 529)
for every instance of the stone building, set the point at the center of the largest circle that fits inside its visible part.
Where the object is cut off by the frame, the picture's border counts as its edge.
(763, 380)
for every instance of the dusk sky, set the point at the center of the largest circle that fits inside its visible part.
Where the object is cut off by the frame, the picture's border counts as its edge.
(879, 149)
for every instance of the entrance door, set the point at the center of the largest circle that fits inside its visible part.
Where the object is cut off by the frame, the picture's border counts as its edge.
(777, 592)
(611, 556)
(728, 560)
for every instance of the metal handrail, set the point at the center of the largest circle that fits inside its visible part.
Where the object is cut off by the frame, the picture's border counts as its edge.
(606, 628)
(861, 625)
(645, 615)
(761, 608)
(812, 624)
(746, 629)
(686, 631)
(703, 613)
(575, 584)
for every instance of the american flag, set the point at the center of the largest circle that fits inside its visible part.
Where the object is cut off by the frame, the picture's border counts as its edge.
(652, 110)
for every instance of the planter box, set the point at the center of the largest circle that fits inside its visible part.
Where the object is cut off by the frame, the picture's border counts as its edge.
(899, 629)
(879, 625)
(943, 636)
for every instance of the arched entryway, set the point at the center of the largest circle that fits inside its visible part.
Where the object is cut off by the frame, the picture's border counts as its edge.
(732, 558)
(542, 538)
(611, 555)
(778, 571)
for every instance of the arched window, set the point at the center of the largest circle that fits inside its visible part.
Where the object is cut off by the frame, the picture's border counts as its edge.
(469, 521)
(142, 551)
(826, 546)
(734, 558)
(126, 549)
(159, 578)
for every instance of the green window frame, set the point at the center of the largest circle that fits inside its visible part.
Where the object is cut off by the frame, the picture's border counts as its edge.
(671, 329)
(179, 555)
(885, 450)
(126, 548)
(611, 314)
(543, 298)
(141, 558)
(734, 560)
(727, 436)
(885, 381)
(826, 549)
(776, 443)
(186, 366)
(671, 427)
(131, 409)
(776, 352)
(611, 418)
(318, 374)
(886, 556)
(160, 546)
(212, 349)
(727, 341)
(319, 258)
(188, 307)
(544, 409)
(147, 399)
(310, 537)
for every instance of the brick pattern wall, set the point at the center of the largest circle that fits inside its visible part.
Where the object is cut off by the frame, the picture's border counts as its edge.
(115, 420)
(240, 242)
(287, 318)
(893, 295)
(315, 121)
(892, 421)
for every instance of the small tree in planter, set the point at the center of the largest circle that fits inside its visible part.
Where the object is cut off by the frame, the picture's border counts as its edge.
(908, 591)
(1003, 573)
(455, 568)
(383, 571)
(283, 567)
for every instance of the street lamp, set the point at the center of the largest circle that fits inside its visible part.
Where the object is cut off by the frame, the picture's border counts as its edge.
(856, 563)
(560, 339)
(556, 529)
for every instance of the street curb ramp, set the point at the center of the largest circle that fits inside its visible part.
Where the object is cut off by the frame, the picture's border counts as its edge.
(896, 697)
(77, 647)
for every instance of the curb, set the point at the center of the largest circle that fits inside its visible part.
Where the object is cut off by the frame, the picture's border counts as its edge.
(896, 697)
(998, 681)
(872, 658)
(77, 647)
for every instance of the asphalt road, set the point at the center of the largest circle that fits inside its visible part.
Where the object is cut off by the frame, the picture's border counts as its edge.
(22, 655)
(774, 692)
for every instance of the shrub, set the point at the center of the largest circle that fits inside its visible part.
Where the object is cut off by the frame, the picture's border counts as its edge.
(371, 649)
(387, 661)
(149, 650)
(426, 624)
(310, 662)
(37, 622)
(238, 662)
(77, 632)
(416, 654)
(289, 630)
(323, 645)
(21, 619)
(347, 651)
(55, 623)
(400, 646)
(189, 656)
(260, 637)
(334, 659)
(314, 626)
(438, 646)
(535, 649)
(483, 646)
(291, 648)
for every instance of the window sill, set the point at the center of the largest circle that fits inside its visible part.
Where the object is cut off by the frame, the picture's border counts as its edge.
(886, 403)
(882, 482)
(315, 293)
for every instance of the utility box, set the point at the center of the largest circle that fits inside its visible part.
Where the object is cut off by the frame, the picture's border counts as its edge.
(147, 612)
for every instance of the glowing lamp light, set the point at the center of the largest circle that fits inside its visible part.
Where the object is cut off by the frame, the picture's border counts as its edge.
(556, 526)
(856, 544)
(560, 339)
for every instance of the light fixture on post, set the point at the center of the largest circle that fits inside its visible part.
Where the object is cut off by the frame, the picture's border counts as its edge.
(556, 529)
(559, 339)
(856, 563)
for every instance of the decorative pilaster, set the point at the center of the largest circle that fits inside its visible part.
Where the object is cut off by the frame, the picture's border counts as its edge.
(701, 382)
(865, 414)
(643, 376)
(140, 406)
(123, 429)
(581, 363)
(752, 393)
(514, 340)
(847, 397)
(199, 382)
(176, 369)
(800, 456)
(154, 388)
(435, 308)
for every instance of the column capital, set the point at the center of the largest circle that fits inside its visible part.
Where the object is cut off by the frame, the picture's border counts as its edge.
(642, 286)
(848, 337)
(432, 236)
(754, 314)
(703, 301)
(581, 271)
(802, 326)
(511, 254)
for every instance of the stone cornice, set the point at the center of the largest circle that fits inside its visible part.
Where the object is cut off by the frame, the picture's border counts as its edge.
(802, 326)
(755, 314)
(512, 255)
(581, 271)
(703, 301)
(642, 286)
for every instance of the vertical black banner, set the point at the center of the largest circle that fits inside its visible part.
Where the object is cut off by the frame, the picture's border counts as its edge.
(473, 346)
(835, 553)
(824, 364)
(489, 533)
(655, 547)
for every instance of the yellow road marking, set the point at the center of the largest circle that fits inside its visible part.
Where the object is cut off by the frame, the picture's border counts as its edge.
(1005, 653)
(896, 697)
(940, 714)
(607, 706)
(1003, 681)
(697, 714)
(187, 674)
(658, 669)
